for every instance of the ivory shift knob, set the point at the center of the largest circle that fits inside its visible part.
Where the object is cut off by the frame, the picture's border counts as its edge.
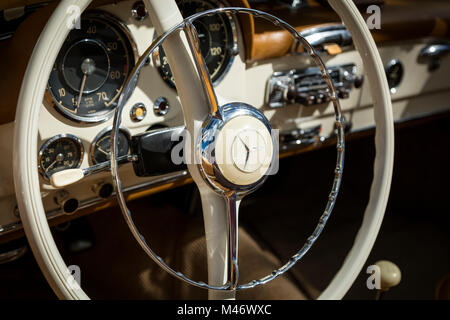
(390, 274)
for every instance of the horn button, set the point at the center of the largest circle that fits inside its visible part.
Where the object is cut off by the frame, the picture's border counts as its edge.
(248, 150)
(242, 146)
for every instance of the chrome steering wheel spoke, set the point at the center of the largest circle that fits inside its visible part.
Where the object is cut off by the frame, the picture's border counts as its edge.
(202, 69)
(220, 212)
(233, 203)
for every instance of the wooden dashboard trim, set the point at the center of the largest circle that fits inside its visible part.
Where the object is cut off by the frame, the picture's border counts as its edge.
(400, 20)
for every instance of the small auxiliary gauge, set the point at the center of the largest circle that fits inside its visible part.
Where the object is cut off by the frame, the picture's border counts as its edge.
(59, 153)
(101, 147)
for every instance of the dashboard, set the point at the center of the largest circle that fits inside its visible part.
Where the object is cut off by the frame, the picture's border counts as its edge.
(248, 61)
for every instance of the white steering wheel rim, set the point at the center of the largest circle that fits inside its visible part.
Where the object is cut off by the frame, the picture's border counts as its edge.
(25, 150)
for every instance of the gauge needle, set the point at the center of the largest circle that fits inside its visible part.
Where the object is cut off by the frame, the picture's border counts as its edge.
(83, 81)
(88, 68)
(103, 151)
(53, 163)
(59, 158)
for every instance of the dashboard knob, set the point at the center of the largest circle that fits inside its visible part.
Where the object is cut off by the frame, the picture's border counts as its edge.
(292, 94)
(320, 97)
(68, 205)
(161, 106)
(326, 97)
(343, 93)
(358, 81)
(138, 11)
(305, 99)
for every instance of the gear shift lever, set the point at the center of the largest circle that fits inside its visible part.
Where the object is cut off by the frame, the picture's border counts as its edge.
(390, 276)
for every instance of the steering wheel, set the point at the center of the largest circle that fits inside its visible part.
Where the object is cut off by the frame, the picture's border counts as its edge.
(221, 138)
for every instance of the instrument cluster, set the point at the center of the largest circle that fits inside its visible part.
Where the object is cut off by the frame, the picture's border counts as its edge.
(92, 66)
(95, 60)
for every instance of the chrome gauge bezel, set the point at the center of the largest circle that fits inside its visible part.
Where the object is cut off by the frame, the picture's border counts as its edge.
(101, 134)
(112, 19)
(234, 46)
(53, 139)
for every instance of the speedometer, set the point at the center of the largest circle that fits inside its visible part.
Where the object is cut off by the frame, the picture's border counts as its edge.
(91, 68)
(217, 37)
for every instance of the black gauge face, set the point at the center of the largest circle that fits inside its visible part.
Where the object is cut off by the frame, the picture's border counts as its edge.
(216, 37)
(91, 68)
(101, 148)
(60, 153)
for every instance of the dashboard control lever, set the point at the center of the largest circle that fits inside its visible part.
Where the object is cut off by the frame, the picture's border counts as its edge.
(326, 38)
(432, 54)
(67, 177)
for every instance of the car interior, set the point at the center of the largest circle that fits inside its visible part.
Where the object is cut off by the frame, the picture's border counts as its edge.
(224, 149)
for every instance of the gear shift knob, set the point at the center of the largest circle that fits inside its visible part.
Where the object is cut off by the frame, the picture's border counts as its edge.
(390, 274)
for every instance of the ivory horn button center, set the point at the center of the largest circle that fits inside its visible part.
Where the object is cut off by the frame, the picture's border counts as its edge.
(248, 150)
(244, 150)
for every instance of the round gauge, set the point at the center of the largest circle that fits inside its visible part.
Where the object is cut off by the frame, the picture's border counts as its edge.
(91, 68)
(217, 37)
(101, 147)
(60, 153)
